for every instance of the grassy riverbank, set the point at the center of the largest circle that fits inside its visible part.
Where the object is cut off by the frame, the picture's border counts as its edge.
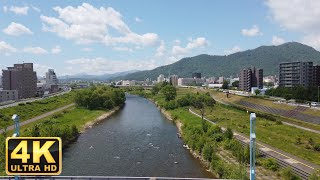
(32, 109)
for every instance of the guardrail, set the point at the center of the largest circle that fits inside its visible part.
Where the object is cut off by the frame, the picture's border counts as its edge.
(96, 178)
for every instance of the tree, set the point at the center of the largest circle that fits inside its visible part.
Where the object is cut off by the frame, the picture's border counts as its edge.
(235, 84)
(225, 85)
(228, 133)
(257, 91)
(155, 89)
(170, 92)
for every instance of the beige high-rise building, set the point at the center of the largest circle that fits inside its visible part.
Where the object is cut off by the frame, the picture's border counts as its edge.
(20, 77)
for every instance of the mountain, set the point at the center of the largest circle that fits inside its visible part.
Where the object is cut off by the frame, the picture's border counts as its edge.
(85, 76)
(266, 57)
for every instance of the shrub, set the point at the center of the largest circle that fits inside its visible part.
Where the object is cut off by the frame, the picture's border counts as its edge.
(207, 151)
(270, 163)
(287, 174)
(316, 147)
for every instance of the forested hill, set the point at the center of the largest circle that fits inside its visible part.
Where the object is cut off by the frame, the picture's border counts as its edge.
(266, 57)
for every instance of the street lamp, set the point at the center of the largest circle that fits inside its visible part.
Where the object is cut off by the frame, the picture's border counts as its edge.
(252, 146)
(16, 120)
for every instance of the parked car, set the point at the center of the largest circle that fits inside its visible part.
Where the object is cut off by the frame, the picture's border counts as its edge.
(314, 104)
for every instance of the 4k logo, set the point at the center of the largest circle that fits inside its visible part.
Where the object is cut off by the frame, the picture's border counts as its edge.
(33, 156)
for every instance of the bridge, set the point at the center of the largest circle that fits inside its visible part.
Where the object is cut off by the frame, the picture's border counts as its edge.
(95, 178)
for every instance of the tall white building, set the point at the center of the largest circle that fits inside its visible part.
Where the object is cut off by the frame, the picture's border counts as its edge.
(160, 78)
(51, 77)
(51, 81)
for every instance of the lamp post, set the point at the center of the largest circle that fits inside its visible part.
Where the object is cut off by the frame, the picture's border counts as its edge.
(16, 120)
(252, 146)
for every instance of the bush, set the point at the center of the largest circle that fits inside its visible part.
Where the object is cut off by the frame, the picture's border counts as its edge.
(271, 164)
(170, 105)
(287, 174)
(228, 133)
(207, 151)
(316, 147)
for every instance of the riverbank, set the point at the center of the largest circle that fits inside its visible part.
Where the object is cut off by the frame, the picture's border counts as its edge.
(179, 126)
(102, 117)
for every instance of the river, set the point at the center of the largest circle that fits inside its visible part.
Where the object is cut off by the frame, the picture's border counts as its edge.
(136, 141)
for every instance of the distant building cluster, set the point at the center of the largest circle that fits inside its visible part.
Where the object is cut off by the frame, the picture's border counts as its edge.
(21, 82)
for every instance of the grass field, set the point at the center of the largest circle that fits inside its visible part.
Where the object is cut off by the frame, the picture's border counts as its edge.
(235, 98)
(33, 109)
(277, 135)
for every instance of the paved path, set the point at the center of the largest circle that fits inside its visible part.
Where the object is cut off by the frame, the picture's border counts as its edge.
(300, 166)
(32, 99)
(39, 117)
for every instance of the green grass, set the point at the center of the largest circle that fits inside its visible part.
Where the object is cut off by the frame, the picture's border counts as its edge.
(33, 109)
(282, 137)
(72, 116)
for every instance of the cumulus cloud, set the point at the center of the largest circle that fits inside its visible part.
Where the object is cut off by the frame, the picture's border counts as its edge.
(16, 29)
(56, 50)
(193, 44)
(101, 65)
(6, 48)
(138, 20)
(34, 50)
(254, 31)
(19, 10)
(277, 40)
(299, 16)
(161, 49)
(87, 24)
(234, 49)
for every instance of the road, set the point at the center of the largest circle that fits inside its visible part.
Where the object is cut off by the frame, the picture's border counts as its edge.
(39, 117)
(301, 167)
(31, 100)
(286, 123)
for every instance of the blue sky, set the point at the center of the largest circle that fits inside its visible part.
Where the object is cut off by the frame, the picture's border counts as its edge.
(100, 37)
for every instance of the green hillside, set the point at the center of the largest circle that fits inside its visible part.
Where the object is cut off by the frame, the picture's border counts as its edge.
(266, 57)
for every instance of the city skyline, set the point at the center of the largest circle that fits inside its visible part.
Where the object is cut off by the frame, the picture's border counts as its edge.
(123, 36)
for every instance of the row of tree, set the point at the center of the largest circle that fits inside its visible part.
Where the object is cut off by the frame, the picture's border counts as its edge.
(298, 93)
(100, 97)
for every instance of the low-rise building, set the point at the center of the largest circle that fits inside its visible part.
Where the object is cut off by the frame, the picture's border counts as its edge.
(8, 95)
(128, 83)
(190, 82)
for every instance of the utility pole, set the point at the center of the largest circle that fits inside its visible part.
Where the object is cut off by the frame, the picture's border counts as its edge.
(252, 145)
(318, 95)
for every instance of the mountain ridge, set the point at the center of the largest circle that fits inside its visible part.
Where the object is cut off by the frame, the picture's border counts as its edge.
(266, 57)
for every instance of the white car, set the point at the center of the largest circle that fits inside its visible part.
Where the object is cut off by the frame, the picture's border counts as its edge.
(314, 104)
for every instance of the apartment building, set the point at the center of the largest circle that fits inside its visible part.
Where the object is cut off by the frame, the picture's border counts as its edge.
(250, 77)
(8, 95)
(298, 73)
(22, 78)
(173, 80)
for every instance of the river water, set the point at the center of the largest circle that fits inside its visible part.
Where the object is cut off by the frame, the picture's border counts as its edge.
(136, 141)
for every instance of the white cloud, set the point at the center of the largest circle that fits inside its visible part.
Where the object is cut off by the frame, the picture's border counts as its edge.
(254, 31)
(234, 49)
(138, 20)
(161, 49)
(35, 8)
(193, 44)
(34, 50)
(123, 49)
(41, 69)
(6, 48)
(86, 49)
(101, 65)
(86, 24)
(5, 9)
(277, 40)
(16, 29)
(299, 16)
(19, 10)
(56, 50)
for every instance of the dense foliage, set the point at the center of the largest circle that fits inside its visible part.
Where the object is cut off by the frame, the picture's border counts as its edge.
(100, 97)
(298, 93)
(266, 57)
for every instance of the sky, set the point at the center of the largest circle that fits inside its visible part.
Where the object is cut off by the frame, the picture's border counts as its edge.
(108, 36)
